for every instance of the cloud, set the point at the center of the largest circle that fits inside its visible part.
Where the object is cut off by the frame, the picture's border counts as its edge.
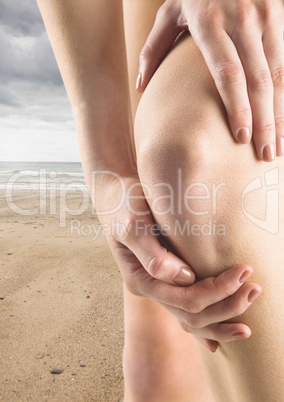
(27, 58)
(21, 17)
(32, 95)
(8, 97)
(39, 145)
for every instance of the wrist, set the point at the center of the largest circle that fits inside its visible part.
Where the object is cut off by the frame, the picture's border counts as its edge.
(106, 145)
(101, 181)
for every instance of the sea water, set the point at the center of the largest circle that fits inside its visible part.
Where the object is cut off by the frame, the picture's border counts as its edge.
(50, 183)
(41, 176)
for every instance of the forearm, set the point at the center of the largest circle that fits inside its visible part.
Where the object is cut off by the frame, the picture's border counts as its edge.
(88, 41)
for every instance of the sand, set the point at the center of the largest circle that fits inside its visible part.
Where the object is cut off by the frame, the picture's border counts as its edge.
(61, 306)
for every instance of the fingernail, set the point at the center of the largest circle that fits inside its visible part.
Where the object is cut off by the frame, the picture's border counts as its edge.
(139, 81)
(184, 276)
(268, 153)
(253, 295)
(244, 135)
(280, 146)
(239, 335)
(245, 275)
(213, 348)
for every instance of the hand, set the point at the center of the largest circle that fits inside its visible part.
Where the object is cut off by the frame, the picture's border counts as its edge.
(242, 44)
(149, 270)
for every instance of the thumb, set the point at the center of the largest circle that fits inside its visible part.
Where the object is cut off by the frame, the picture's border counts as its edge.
(156, 259)
(160, 40)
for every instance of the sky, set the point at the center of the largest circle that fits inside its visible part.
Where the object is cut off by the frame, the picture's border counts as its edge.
(36, 121)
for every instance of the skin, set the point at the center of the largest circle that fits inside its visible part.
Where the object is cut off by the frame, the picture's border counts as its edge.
(242, 44)
(194, 136)
(95, 76)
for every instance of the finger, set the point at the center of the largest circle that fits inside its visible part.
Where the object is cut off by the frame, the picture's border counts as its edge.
(224, 332)
(226, 309)
(274, 51)
(219, 332)
(212, 290)
(260, 89)
(157, 260)
(225, 66)
(160, 40)
(194, 298)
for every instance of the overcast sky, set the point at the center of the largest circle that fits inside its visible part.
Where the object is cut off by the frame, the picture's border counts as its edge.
(35, 116)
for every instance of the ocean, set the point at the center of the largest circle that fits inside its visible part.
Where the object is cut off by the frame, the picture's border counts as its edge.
(42, 176)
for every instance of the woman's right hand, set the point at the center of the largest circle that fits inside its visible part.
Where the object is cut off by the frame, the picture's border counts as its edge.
(149, 270)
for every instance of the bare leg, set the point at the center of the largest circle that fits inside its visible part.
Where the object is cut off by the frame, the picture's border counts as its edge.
(161, 362)
(181, 130)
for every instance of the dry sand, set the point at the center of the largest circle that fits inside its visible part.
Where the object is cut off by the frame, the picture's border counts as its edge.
(61, 308)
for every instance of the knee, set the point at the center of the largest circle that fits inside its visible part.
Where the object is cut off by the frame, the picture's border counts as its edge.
(186, 169)
(195, 178)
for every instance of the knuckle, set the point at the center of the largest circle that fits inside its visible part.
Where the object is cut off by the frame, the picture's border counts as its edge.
(222, 283)
(146, 52)
(260, 80)
(155, 266)
(244, 14)
(279, 122)
(207, 26)
(194, 322)
(192, 307)
(164, 13)
(267, 130)
(237, 112)
(216, 332)
(185, 326)
(189, 301)
(277, 76)
(229, 73)
(206, 285)
(210, 15)
(234, 307)
(267, 12)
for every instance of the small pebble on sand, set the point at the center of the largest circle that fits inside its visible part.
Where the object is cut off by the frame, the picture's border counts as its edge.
(56, 371)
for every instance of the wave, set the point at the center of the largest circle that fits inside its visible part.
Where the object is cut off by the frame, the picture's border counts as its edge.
(6, 173)
(50, 175)
(33, 186)
(70, 174)
(37, 171)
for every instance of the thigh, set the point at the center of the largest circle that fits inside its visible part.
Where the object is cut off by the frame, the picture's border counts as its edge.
(151, 332)
(217, 206)
(153, 338)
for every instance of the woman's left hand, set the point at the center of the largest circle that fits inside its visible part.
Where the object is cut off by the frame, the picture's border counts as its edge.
(242, 44)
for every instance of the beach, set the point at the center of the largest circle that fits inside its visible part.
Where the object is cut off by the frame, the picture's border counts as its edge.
(61, 306)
